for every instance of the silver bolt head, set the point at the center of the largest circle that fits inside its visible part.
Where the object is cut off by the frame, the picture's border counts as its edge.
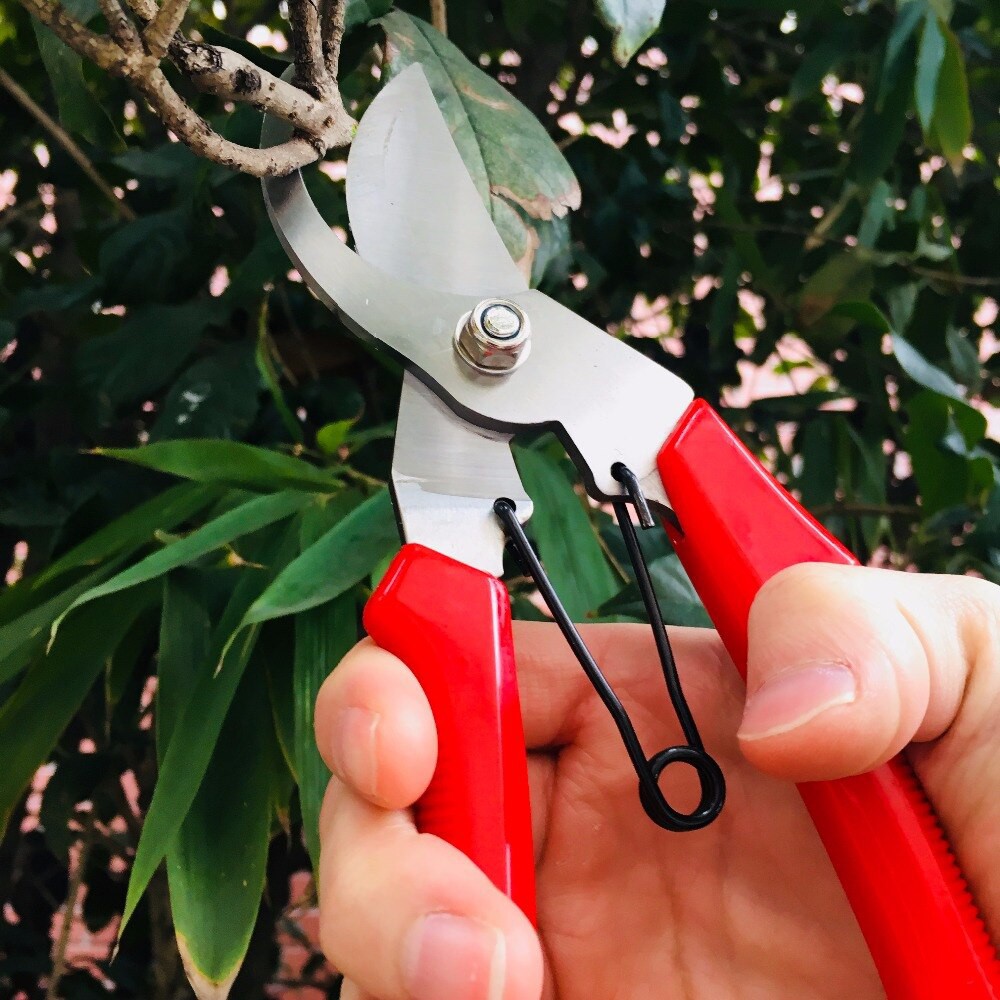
(494, 338)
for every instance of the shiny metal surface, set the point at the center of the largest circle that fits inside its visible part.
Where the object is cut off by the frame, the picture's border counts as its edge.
(446, 472)
(446, 475)
(607, 402)
(495, 337)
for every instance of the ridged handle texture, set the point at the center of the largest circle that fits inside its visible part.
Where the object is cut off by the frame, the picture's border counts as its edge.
(450, 624)
(739, 528)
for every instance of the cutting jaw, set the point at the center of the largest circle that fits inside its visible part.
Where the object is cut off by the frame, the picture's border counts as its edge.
(607, 403)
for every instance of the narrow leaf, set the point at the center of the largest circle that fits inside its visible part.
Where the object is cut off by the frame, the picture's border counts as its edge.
(631, 22)
(243, 520)
(567, 543)
(131, 531)
(952, 112)
(338, 560)
(323, 636)
(929, 60)
(32, 721)
(923, 372)
(227, 462)
(217, 863)
(197, 730)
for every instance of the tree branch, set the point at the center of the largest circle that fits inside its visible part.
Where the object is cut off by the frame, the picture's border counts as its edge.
(307, 44)
(439, 16)
(62, 137)
(96, 48)
(195, 132)
(161, 28)
(332, 28)
(320, 117)
(120, 25)
(75, 884)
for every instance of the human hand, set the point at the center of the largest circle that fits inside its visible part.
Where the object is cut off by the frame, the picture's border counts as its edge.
(846, 667)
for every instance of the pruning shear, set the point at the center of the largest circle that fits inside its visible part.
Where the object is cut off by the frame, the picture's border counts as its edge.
(487, 358)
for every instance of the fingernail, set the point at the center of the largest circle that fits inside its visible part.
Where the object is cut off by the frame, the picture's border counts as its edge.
(794, 697)
(447, 956)
(354, 748)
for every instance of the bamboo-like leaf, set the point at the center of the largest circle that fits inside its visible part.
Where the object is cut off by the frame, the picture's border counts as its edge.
(131, 531)
(243, 520)
(227, 462)
(338, 560)
(216, 863)
(929, 60)
(952, 111)
(323, 635)
(25, 636)
(41, 708)
(567, 542)
(196, 732)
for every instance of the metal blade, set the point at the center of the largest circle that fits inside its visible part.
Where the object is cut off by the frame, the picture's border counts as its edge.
(415, 211)
(445, 472)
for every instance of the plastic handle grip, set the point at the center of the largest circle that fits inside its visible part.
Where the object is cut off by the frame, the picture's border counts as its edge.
(450, 624)
(740, 528)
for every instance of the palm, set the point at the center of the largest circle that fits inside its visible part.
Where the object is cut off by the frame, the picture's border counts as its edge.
(748, 907)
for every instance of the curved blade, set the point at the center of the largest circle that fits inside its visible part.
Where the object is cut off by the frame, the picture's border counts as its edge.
(415, 211)
(607, 402)
(416, 214)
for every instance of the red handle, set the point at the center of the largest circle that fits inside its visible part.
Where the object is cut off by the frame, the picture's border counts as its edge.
(450, 624)
(911, 901)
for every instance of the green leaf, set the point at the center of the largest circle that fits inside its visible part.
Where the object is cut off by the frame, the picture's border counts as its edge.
(364, 12)
(217, 863)
(227, 462)
(923, 372)
(882, 126)
(952, 112)
(323, 636)
(243, 520)
(908, 18)
(567, 543)
(509, 155)
(50, 694)
(79, 110)
(216, 397)
(331, 437)
(945, 477)
(680, 603)
(144, 353)
(339, 559)
(964, 358)
(929, 60)
(631, 22)
(138, 527)
(865, 314)
(196, 731)
(877, 212)
(23, 637)
(138, 259)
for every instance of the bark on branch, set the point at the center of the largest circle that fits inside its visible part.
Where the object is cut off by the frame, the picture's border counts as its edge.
(312, 104)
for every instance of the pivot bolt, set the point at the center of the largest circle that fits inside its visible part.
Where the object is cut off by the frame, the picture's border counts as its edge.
(494, 337)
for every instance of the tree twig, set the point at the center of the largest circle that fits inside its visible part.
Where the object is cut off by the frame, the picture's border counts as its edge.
(307, 44)
(120, 25)
(322, 122)
(72, 895)
(332, 14)
(64, 139)
(161, 28)
(439, 16)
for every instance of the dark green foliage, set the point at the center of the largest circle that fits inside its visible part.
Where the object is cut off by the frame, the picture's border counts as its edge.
(805, 203)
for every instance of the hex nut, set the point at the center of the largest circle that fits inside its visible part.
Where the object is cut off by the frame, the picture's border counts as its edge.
(494, 338)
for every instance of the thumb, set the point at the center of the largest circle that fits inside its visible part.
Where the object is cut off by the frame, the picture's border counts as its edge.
(847, 665)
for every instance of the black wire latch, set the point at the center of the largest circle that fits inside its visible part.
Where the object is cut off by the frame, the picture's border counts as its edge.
(693, 753)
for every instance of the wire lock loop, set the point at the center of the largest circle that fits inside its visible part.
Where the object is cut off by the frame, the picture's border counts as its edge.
(648, 771)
